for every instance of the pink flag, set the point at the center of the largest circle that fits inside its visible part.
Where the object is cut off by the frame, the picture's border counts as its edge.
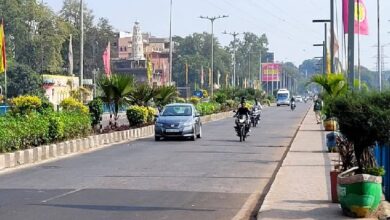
(361, 22)
(107, 60)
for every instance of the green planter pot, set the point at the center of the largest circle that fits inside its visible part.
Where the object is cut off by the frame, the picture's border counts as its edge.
(359, 195)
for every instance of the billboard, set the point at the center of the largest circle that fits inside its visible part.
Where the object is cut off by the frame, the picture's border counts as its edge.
(271, 72)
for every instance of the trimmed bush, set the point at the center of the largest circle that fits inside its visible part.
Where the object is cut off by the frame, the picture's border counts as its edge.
(137, 115)
(71, 104)
(96, 111)
(220, 97)
(151, 113)
(208, 108)
(180, 100)
(194, 100)
(22, 132)
(25, 104)
(56, 128)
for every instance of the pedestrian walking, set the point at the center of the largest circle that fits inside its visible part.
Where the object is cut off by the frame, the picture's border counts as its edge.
(317, 109)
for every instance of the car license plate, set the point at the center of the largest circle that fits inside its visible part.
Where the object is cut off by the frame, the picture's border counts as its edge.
(172, 130)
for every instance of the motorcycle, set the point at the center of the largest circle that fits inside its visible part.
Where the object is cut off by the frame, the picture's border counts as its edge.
(242, 127)
(255, 117)
(293, 106)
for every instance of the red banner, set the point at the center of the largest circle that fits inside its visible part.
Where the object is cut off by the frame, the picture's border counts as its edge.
(271, 72)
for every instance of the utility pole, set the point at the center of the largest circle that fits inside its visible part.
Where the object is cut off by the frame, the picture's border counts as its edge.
(351, 42)
(212, 19)
(81, 43)
(170, 45)
(234, 34)
(379, 48)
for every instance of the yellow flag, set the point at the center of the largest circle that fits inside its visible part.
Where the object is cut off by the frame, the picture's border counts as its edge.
(3, 59)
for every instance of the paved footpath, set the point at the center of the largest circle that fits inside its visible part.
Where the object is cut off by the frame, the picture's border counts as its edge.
(301, 189)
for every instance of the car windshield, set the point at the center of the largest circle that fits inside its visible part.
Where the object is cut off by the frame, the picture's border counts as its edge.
(282, 96)
(177, 110)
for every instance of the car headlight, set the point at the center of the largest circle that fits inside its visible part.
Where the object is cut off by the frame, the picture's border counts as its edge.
(159, 125)
(187, 124)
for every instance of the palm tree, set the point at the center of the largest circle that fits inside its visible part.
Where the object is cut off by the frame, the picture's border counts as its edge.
(142, 94)
(333, 84)
(165, 95)
(115, 90)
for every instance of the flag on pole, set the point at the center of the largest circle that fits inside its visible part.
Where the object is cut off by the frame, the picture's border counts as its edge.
(70, 57)
(149, 69)
(361, 21)
(201, 77)
(3, 57)
(107, 60)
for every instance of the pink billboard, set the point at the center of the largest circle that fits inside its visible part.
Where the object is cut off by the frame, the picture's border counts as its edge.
(271, 72)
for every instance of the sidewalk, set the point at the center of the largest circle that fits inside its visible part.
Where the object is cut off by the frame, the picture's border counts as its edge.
(301, 189)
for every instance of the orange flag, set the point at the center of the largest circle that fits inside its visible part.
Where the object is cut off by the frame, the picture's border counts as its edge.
(3, 57)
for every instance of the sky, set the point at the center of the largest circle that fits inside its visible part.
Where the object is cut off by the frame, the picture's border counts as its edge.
(287, 23)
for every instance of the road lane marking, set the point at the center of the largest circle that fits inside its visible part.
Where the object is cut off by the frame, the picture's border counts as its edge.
(62, 195)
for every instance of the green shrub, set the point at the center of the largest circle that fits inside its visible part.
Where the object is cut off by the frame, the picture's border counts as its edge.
(22, 132)
(208, 108)
(180, 100)
(151, 114)
(266, 102)
(137, 115)
(231, 104)
(76, 124)
(56, 128)
(47, 107)
(72, 105)
(96, 111)
(25, 104)
(194, 100)
(220, 97)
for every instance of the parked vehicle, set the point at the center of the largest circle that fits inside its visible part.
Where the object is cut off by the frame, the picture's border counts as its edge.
(178, 120)
(242, 127)
(283, 97)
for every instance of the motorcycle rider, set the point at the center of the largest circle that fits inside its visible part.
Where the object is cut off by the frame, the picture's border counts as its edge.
(243, 110)
(292, 102)
(256, 110)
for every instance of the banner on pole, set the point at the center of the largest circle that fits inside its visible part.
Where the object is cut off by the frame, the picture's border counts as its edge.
(271, 72)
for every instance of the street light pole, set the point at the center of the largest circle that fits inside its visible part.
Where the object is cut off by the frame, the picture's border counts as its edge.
(212, 19)
(234, 34)
(81, 43)
(170, 45)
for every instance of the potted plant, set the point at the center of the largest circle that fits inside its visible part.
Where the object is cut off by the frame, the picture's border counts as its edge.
(360, 118)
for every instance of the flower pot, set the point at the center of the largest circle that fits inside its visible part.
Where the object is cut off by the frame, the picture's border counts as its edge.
(333, 185)
(359, 195)
(330, 125)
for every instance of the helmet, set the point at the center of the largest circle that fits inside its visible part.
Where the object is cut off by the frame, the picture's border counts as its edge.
(242, 100)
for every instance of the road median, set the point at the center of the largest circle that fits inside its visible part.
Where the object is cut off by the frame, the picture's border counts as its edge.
(78, 146)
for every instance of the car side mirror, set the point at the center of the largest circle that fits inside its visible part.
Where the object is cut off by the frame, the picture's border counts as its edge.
(197, 115)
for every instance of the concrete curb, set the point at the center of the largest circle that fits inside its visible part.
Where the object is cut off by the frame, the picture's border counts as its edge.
(78, 146)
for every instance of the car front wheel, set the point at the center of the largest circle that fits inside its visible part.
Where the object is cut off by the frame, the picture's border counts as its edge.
(200, 132)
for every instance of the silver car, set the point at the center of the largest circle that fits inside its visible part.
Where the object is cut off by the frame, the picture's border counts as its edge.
(178, 120)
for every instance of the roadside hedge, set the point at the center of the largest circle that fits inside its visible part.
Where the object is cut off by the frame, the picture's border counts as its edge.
(23, 132)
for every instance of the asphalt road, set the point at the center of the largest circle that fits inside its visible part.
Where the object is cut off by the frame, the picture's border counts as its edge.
(207, 179)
